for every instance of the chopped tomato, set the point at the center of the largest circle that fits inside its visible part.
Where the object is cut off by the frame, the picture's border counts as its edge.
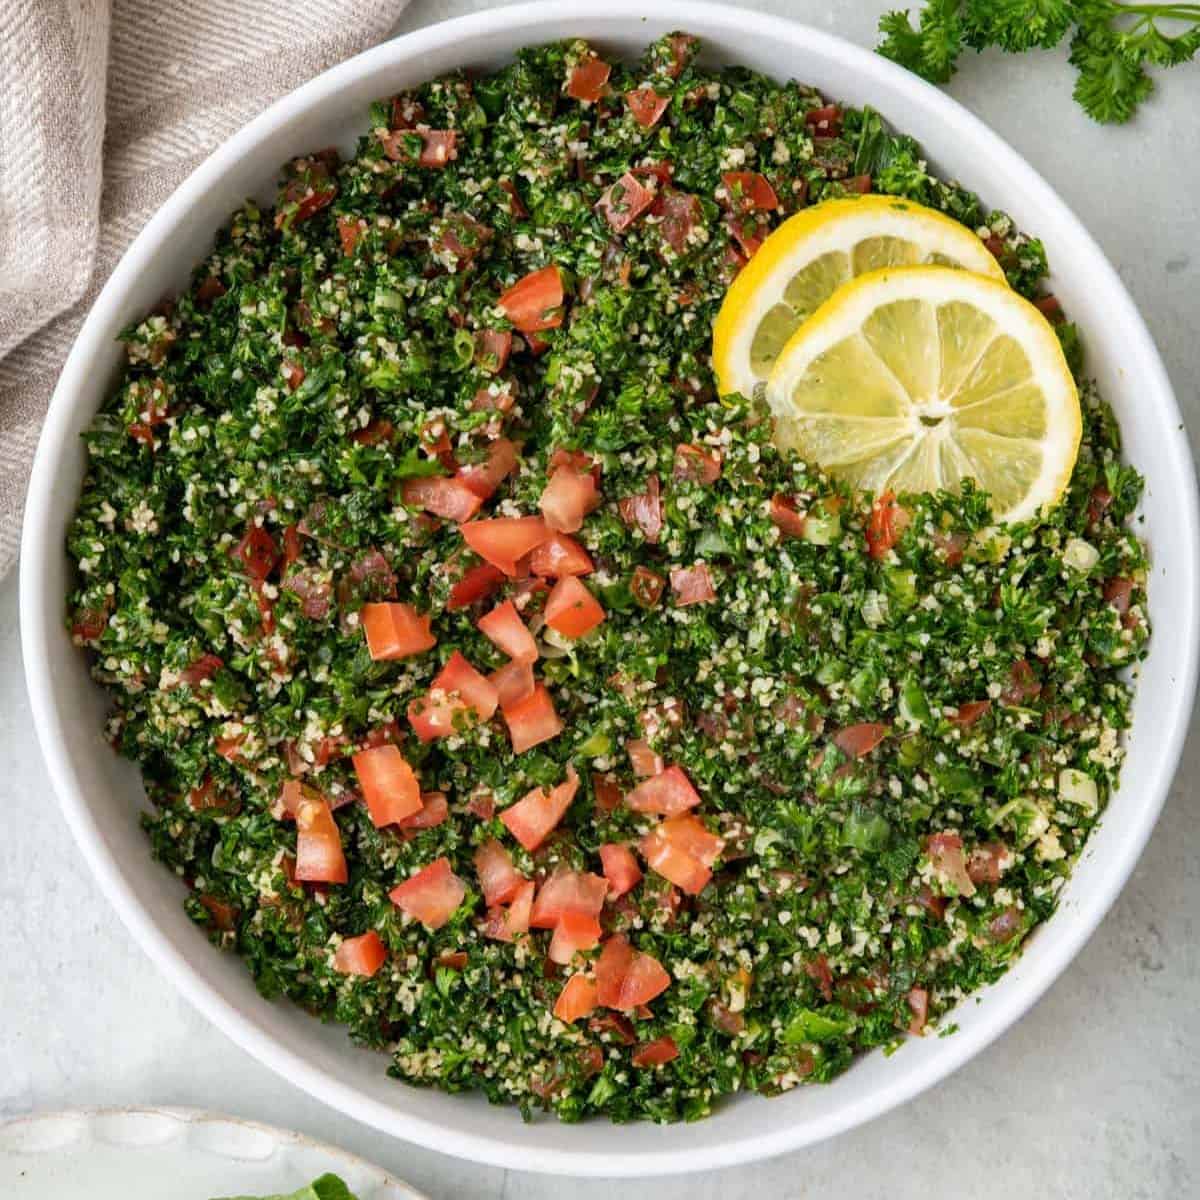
(362, 955)
(477, 583)
(786, 516)
(857, 740)
(644, 761)
(749, 230)
(987, 862)
(395, 630)
(646, 106)
(568, 497)
(697, 464)
(376, 431)
(692, 585)
(499, 880)
(623, 202)
(646, 587)
(431, 895)
(445, 496)
(644, 510)
(560, 555)
(507, 924)
(513, 682)
(620, 868)
(749, 191)
(858, 183)
(312, 587)
(918, 1004)
(457, 689)
(567, 891)
(484, 478)
(826, 121)
(533, 720)
(951, 546)
(606, 792)
(885, 526)
(492, 348)
(1022, 684)
(668, 793)
(433, 811)
(429, 147)
(459, 678)
(589, 80)
(571, 609)
(625, 977)
(257, 552)
(577, 999)
(970, 712)
(505, 629)
(573, 933)
(655, 1053)
(534, 302)
(230, 748)
(350, 229)
(532, 818)
(205, 667)
(682, 850)
(319, 857)
(224, 916)
(945, 851)
(682, 47)
(680, 215)
(388, 785)
(504, 541)
(1098, 503)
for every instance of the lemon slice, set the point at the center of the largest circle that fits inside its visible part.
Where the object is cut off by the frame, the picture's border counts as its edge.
(798, 267)
(917, 378)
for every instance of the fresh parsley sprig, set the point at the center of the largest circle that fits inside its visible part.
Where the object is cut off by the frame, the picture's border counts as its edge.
(1112, 44)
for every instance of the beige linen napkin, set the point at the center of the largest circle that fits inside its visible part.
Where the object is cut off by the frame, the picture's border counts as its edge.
(104, 109)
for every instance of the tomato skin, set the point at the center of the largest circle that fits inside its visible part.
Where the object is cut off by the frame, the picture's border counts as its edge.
(388, 785)
(656, 1053)
(362, 955)
(505, 629)
(620, 869)
(504, 541)
(589, 80)
(573, 933)
(692, 585)
(499, 880)
(886, 524)
(668, 794)
(646, 106)
(577, 999)
(431, 895)
(532, 720)
(531, 819)
(748, 191)
(319, 856)
(857, 740)
(534, 302)
(624, 201)
(560, 555)
(567, 891)
(477, 583)
(567, 498)
(571, 609)
(443, 495)
(484, 478)
(395, 630)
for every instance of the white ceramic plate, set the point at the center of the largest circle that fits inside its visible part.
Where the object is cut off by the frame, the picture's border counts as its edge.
(175, 1153)
(100, 793)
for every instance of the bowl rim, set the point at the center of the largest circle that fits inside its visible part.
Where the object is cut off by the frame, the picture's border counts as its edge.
(39, 611)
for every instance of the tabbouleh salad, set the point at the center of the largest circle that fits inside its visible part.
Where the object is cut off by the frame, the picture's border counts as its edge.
(502, 693)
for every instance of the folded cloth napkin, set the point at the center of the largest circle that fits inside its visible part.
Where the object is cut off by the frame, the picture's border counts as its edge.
(104, 109)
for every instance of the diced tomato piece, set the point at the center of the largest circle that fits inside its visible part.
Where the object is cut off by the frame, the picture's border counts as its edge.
(655, 1053)
(350, 229)
(623, 202)
(644, 510)
(787, 517)
(573, 933)
(945, 851)
(988, 861)
(499, 880)
(1098, 504)
(625, 977)
(620, 868)
(886, 524)
(459, 678)
(492, 348)
(918, 1004)
(395, 630)
(532, 818)
(577, 999)
(682, 850)
(535, 301)
(567, 891)
(951, 546)
(312, 587)
(826, 121)
(589, 80)
(692, 585)
(443, 495)
(748, 191)
(436, 148)
(484, 478)
(205, 667)
(504, 541)
(431, 895)
(571, 609)
(560, 555)
(514, 682)
(223, 915)
(607, 794)
(291, 796)
(644, 761)
(646, 587)
(388, 784)
(433, 811)
(319, 857)
(682, 47)
(858, 183)
(362, 955)
(374, 432)
(230, 748)
(458, 689)
(680, 214)
(668, 793)
(507, 924)
(1022, 685)
(857, 740)
(533, 720)
(970, 712)
(697, 464)
(503, 627)
(257, 552)
(646, 106)
(477, 583)
(1119, 593)
(567, 498)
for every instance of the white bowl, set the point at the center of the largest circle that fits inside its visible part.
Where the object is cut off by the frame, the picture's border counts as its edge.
(100, 793)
